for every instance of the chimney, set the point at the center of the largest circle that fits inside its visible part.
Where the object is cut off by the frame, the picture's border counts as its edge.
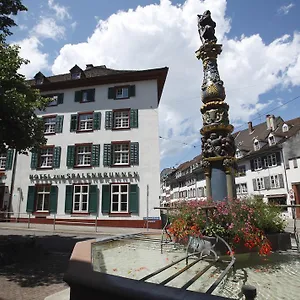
(89, 66)
(268, 122)
(272, 122)
(250, 127)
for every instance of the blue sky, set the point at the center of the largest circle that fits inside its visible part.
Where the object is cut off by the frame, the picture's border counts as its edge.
(260, 63)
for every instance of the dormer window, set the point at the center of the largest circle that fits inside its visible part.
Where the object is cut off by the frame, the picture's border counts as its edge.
(39, 81)
(76, 75)
(238, 154)
(285, 128)
(256, 145)
(272, 140)
(39, 78)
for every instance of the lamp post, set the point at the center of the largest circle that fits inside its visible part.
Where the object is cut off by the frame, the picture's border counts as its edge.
(218, 148)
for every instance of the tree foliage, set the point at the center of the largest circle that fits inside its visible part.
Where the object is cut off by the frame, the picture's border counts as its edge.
(21, 129)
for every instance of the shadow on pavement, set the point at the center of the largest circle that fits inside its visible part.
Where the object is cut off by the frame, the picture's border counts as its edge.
(35, 261)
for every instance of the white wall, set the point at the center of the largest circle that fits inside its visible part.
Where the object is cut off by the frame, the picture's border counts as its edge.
(146, 134)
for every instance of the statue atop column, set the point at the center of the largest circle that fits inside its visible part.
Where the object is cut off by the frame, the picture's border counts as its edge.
(218, 148)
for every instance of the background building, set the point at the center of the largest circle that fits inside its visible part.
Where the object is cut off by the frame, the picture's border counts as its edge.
(267, 155)
(97, 162)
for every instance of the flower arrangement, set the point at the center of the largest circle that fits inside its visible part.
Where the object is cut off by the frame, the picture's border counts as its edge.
(240, 222)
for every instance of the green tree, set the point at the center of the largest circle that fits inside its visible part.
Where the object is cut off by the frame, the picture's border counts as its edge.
(21, 129)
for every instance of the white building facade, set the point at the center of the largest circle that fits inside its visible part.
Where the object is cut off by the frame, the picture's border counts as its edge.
(96, 165)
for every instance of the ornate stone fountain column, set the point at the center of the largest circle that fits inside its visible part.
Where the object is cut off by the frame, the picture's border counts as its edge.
(218, 148)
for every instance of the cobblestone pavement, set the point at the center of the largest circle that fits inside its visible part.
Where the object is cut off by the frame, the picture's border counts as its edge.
(34, 278)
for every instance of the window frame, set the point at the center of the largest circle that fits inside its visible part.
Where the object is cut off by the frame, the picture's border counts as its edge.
(114, 116)
(257, 161)
(49, 117)
(285, 128)
(80, 211)
(122, 87)
(256, 145)
(272, 140)
(115, 143)
(260, 181)
(39, 167)
(276, 181)
(76, 155)
(37, 187)
(52, 96)
(3, 159)
(76, 75)
(78, 121)
(241, 171)
(119, 198)
(270, 160)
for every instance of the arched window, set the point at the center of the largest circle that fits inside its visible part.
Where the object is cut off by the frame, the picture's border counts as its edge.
(285, 128)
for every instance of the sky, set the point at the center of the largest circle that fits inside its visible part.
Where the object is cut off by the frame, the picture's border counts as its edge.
(260, 62)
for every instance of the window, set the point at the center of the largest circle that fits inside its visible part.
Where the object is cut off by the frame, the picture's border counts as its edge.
(85, 96)
(260, 183)
(85, 122)
(274, 181)
(238, 154)
(83, 155)
(39, 80)
(278, 201)
(257, 164)
(121, 119)
(285, 128)
(54, 101)
(2, 161)
(81, 197)
(119, 198)
(121, 154)
(270, 160)
(241, 188)
(49, 126)
(76, 75)
(295, 163)
(46, 157)
(122, 93)
(42, 198)
(272, 140)
(241, 171)
(256, 145)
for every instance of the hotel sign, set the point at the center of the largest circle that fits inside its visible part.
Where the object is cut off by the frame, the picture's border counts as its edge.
(104, 175)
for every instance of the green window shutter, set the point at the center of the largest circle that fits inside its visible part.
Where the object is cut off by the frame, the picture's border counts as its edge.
(60, 98)
(70, 156)
(108, 119)
(30, 198)
(97, 120)
(78, 96)
(95, 155)
(107, 155)
(34, 159)
(132, 91)
(105, 206)
(93, 199)
(91, 95)
(59, 124)
(74, 122)
(111, 93)
(69, 199)
(9, 159)
(134, 153)
(56, 157)
(278, 158)
(281, 183)
(134, 199)
(134, 118)
(53, 198)
(254, 185)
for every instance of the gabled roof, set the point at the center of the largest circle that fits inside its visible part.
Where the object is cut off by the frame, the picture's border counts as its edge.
(102, 75)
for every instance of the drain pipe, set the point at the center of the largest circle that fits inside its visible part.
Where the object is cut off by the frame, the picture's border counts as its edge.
(12, 184)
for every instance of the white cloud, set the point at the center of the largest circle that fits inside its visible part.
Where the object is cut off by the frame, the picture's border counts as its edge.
(73, 25)
(61, 11)
(285, 9)
(163, 34)
(29, 49)
(47, 28)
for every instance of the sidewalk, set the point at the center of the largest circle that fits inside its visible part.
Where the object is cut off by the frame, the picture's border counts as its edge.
(37, 229)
